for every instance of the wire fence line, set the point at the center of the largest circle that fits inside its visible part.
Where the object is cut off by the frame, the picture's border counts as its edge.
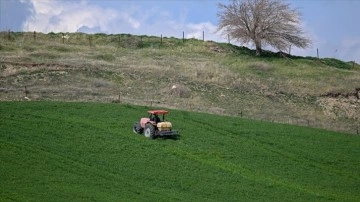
(92, 39)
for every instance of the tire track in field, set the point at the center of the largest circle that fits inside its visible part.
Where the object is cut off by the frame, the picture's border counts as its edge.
(288, 154)
(68, 164)
(84, 170)
(258, 177)
(303, 160)
(250, 174)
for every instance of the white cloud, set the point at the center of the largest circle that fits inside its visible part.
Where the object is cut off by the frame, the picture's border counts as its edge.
(350, 49)
(345, 48)
(70, 16)
(316, 42)
(196, 30)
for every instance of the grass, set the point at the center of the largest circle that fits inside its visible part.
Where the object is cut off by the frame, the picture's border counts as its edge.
(105, 57)
(222, 78)
(55, 151)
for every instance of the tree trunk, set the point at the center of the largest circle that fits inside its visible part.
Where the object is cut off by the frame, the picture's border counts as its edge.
(258, 48)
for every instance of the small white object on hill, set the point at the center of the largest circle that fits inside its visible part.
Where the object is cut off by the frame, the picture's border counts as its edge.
(65, 37)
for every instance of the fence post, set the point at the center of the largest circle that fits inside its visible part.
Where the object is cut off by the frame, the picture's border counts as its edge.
(161, 39)
(317, 52)
(9, 36)
(203, 36)
(183, 37)
(118, 45)
(34, 36)
(26, 91)
(90, 42)
(228, 38)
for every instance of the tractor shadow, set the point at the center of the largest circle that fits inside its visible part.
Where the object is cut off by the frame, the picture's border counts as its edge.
(172, 137)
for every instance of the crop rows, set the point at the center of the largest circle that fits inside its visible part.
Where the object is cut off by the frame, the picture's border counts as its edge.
(54, 151)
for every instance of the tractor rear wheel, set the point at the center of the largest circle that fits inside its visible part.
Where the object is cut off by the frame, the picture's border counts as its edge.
(137, 128)
(149, 131)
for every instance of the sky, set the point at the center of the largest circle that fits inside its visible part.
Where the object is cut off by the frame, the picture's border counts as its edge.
(332, 25)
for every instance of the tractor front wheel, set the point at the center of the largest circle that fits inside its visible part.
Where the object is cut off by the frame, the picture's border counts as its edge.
(149, 131)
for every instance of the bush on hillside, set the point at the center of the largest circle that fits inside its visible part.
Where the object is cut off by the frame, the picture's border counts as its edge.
(105, 57)
(180, 91)
(262, 66)
(336, 63)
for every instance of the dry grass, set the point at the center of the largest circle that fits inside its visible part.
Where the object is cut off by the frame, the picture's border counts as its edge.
(260, 66)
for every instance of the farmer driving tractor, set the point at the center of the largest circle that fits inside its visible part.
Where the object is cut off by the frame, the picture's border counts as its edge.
(155, 118)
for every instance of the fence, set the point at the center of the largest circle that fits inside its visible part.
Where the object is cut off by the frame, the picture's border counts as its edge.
(65, 38)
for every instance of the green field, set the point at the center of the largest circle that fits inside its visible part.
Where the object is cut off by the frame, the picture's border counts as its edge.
(56, 151)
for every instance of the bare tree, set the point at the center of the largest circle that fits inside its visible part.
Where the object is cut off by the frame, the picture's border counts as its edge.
(262, 22)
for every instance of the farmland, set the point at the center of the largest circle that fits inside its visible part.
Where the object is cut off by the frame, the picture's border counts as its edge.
(61, 151)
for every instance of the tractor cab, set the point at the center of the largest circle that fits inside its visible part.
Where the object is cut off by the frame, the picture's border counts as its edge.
(154, 115)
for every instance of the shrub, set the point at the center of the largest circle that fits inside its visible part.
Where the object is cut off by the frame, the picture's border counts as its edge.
(99, 83)
(44, 55)
(6, 48)
(336, 63)
(262, 66)
(59, 48)
(105, 57)
(180, 91)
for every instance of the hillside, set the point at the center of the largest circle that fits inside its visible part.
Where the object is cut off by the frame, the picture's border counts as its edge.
(209, 77)
(61, 151)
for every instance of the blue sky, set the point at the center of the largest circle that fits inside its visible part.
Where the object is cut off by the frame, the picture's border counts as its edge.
(332, 25)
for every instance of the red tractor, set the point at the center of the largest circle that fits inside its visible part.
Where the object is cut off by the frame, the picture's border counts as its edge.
(153, 126)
